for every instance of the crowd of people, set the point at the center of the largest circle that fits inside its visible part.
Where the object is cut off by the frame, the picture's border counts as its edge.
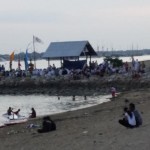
(17, 113)
(47, 124)
(132, 118)
(134, 68)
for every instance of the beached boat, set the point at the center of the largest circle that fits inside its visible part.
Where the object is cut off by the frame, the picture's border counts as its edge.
(12, 122)
(14, 119)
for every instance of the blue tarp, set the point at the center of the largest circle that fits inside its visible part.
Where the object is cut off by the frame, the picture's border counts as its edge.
(74, 64)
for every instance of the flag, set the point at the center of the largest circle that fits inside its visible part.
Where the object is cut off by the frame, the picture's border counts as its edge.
(36, 39)
(12, 57)
(26, 60)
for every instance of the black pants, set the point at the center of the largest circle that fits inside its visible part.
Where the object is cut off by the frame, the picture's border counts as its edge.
(125, 123)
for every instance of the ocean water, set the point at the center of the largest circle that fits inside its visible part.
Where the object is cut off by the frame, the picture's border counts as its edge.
(41, 64)
(45, 104)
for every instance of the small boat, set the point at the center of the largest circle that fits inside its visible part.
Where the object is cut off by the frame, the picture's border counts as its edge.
(14, 119)
(1, 126)
(13, 122)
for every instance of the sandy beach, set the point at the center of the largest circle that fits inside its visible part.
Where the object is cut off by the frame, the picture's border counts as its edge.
(75, 75)
(92, 128)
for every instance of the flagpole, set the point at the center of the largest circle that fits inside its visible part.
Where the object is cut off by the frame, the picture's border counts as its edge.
(34, 53)
(19, 62)
(35, 39)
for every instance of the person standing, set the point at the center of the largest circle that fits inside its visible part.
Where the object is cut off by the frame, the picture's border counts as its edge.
(113, 92)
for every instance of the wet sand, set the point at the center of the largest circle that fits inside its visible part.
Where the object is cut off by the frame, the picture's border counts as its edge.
(92, 128)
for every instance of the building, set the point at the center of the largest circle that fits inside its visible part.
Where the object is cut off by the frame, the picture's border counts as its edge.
(69, 50)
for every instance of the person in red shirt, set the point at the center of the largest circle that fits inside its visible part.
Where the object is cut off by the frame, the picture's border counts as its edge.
(113, 91)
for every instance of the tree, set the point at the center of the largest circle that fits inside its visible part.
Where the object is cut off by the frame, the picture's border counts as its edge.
(116, 62)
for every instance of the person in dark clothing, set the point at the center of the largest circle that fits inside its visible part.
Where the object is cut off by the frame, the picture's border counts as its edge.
(33, 113)
(9, 111)
(17, 112)
(47, 125)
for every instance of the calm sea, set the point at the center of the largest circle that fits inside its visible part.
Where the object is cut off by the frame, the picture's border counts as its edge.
(45, 104)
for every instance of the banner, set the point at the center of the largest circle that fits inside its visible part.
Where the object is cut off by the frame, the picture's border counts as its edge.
(36, 39)
(12, 57)
(26, 60)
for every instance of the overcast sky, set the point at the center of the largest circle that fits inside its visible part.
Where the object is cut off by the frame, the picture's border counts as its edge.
(117, 24)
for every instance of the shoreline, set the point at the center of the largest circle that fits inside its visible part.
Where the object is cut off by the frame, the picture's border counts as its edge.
(89, 128)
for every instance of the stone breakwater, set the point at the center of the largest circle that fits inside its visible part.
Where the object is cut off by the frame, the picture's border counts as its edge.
(66, 87)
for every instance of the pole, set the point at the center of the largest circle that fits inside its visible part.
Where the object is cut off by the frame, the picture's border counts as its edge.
(48, 62)
(90, 62)
(34, 53)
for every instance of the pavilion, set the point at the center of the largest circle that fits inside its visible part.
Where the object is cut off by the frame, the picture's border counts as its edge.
(69, 50)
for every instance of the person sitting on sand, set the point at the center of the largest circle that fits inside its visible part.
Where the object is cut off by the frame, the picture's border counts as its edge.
(9, 111)
(17, 112)
(137, 115)
(47, 125)
(129, 119)
(33, 113)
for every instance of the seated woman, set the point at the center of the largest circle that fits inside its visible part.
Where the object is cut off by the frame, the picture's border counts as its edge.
(129, 119)
(47, 125)
(33, 113)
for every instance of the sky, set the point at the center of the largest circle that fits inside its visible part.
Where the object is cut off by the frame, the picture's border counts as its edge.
(117, 24)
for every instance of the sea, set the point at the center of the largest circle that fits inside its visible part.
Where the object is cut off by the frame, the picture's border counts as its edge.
(45, 104)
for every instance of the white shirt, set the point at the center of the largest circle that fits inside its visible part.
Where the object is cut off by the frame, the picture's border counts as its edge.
(131, 120)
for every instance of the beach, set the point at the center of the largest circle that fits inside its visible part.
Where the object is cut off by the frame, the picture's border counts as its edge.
(87, 129)
(90, 128)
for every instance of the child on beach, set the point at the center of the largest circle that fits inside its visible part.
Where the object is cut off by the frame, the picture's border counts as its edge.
(113, 92)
